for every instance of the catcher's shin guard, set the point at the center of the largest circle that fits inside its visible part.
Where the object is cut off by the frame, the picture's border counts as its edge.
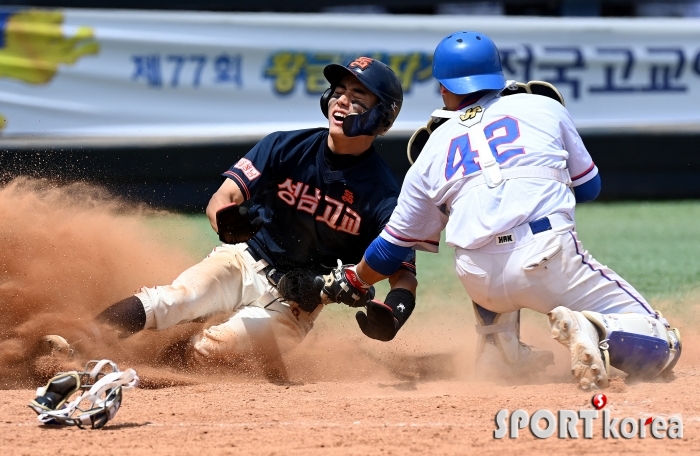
(642, 346)
(499, 351)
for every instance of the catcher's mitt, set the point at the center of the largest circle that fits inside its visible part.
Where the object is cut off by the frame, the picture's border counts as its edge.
(345, 286)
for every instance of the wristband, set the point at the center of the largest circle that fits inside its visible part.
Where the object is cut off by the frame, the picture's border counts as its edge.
(354, 279)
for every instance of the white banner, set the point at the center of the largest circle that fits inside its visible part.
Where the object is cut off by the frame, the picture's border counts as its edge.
(194, 76)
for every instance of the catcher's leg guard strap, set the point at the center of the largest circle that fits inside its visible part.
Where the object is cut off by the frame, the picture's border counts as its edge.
(502, 330)
(128, 315)
(483, 316)
(501, 327)
(640, 345)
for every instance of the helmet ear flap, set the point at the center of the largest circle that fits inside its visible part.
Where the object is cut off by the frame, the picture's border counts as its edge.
(325, 99)
(388, 119)
(390, 110)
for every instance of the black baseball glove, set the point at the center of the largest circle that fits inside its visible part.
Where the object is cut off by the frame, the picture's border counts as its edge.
(303, 287)
(234, 224)
(384, 319)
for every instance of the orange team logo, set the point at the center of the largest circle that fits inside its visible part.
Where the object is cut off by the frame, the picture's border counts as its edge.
(348, 197)
(361, 62)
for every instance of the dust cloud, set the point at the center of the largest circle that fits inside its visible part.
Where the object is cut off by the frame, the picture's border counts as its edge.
(70, 251)
(67, 253)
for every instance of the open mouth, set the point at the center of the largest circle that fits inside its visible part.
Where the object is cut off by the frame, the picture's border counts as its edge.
(339, 117)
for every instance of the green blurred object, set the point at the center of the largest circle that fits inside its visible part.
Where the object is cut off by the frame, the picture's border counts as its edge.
(190, 232)
(655, 246)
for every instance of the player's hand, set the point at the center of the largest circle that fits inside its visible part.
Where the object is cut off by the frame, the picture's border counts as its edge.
(345, 286)
(234, 224)
(384, 319)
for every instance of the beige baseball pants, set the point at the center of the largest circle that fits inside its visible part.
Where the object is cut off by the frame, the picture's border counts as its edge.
(229, 280)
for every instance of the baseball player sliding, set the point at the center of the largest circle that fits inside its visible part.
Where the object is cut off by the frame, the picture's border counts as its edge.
(312, 196)
(502, 176)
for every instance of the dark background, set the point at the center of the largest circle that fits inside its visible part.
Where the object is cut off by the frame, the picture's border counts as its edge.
(617, 8)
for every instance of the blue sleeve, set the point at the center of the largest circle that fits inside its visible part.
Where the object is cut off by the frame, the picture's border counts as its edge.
(387, 258)
(588, 191)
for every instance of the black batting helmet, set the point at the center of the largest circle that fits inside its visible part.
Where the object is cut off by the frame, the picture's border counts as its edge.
(379, 79)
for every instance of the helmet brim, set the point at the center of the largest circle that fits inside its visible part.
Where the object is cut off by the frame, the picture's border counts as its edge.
(335, 73)
(470, 84)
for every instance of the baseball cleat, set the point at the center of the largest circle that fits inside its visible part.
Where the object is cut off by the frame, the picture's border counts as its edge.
(57, 345)
(574, 330)
(537, 359)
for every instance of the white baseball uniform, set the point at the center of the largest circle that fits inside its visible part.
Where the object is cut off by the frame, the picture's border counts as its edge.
(504, 262)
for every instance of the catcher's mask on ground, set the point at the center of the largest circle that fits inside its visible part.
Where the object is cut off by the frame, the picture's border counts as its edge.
(101, 391)
(379, 79)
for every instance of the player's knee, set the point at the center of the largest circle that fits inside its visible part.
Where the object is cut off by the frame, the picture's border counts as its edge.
(252, 333)
(177, 293)
(217, 345)
(205, 351)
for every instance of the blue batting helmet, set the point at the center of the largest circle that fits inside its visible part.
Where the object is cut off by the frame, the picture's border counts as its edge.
(467, 62)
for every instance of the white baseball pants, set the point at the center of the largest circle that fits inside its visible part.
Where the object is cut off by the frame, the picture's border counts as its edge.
(229, 280)
(519, 269)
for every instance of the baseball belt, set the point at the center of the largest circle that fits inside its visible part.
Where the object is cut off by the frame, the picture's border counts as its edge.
(272, 274)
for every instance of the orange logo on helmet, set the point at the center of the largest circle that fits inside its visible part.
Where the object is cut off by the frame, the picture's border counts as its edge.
(361, 63)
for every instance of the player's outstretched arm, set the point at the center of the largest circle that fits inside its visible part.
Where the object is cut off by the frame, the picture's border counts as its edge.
(382, 320)
(228, 193)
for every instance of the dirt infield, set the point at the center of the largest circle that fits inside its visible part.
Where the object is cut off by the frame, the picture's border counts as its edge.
(337, 393)
(412, 407)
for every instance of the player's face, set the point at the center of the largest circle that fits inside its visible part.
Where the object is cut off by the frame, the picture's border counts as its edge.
(350, 97)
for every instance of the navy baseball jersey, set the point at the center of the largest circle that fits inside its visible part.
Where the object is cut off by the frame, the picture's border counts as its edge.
(314, 213)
